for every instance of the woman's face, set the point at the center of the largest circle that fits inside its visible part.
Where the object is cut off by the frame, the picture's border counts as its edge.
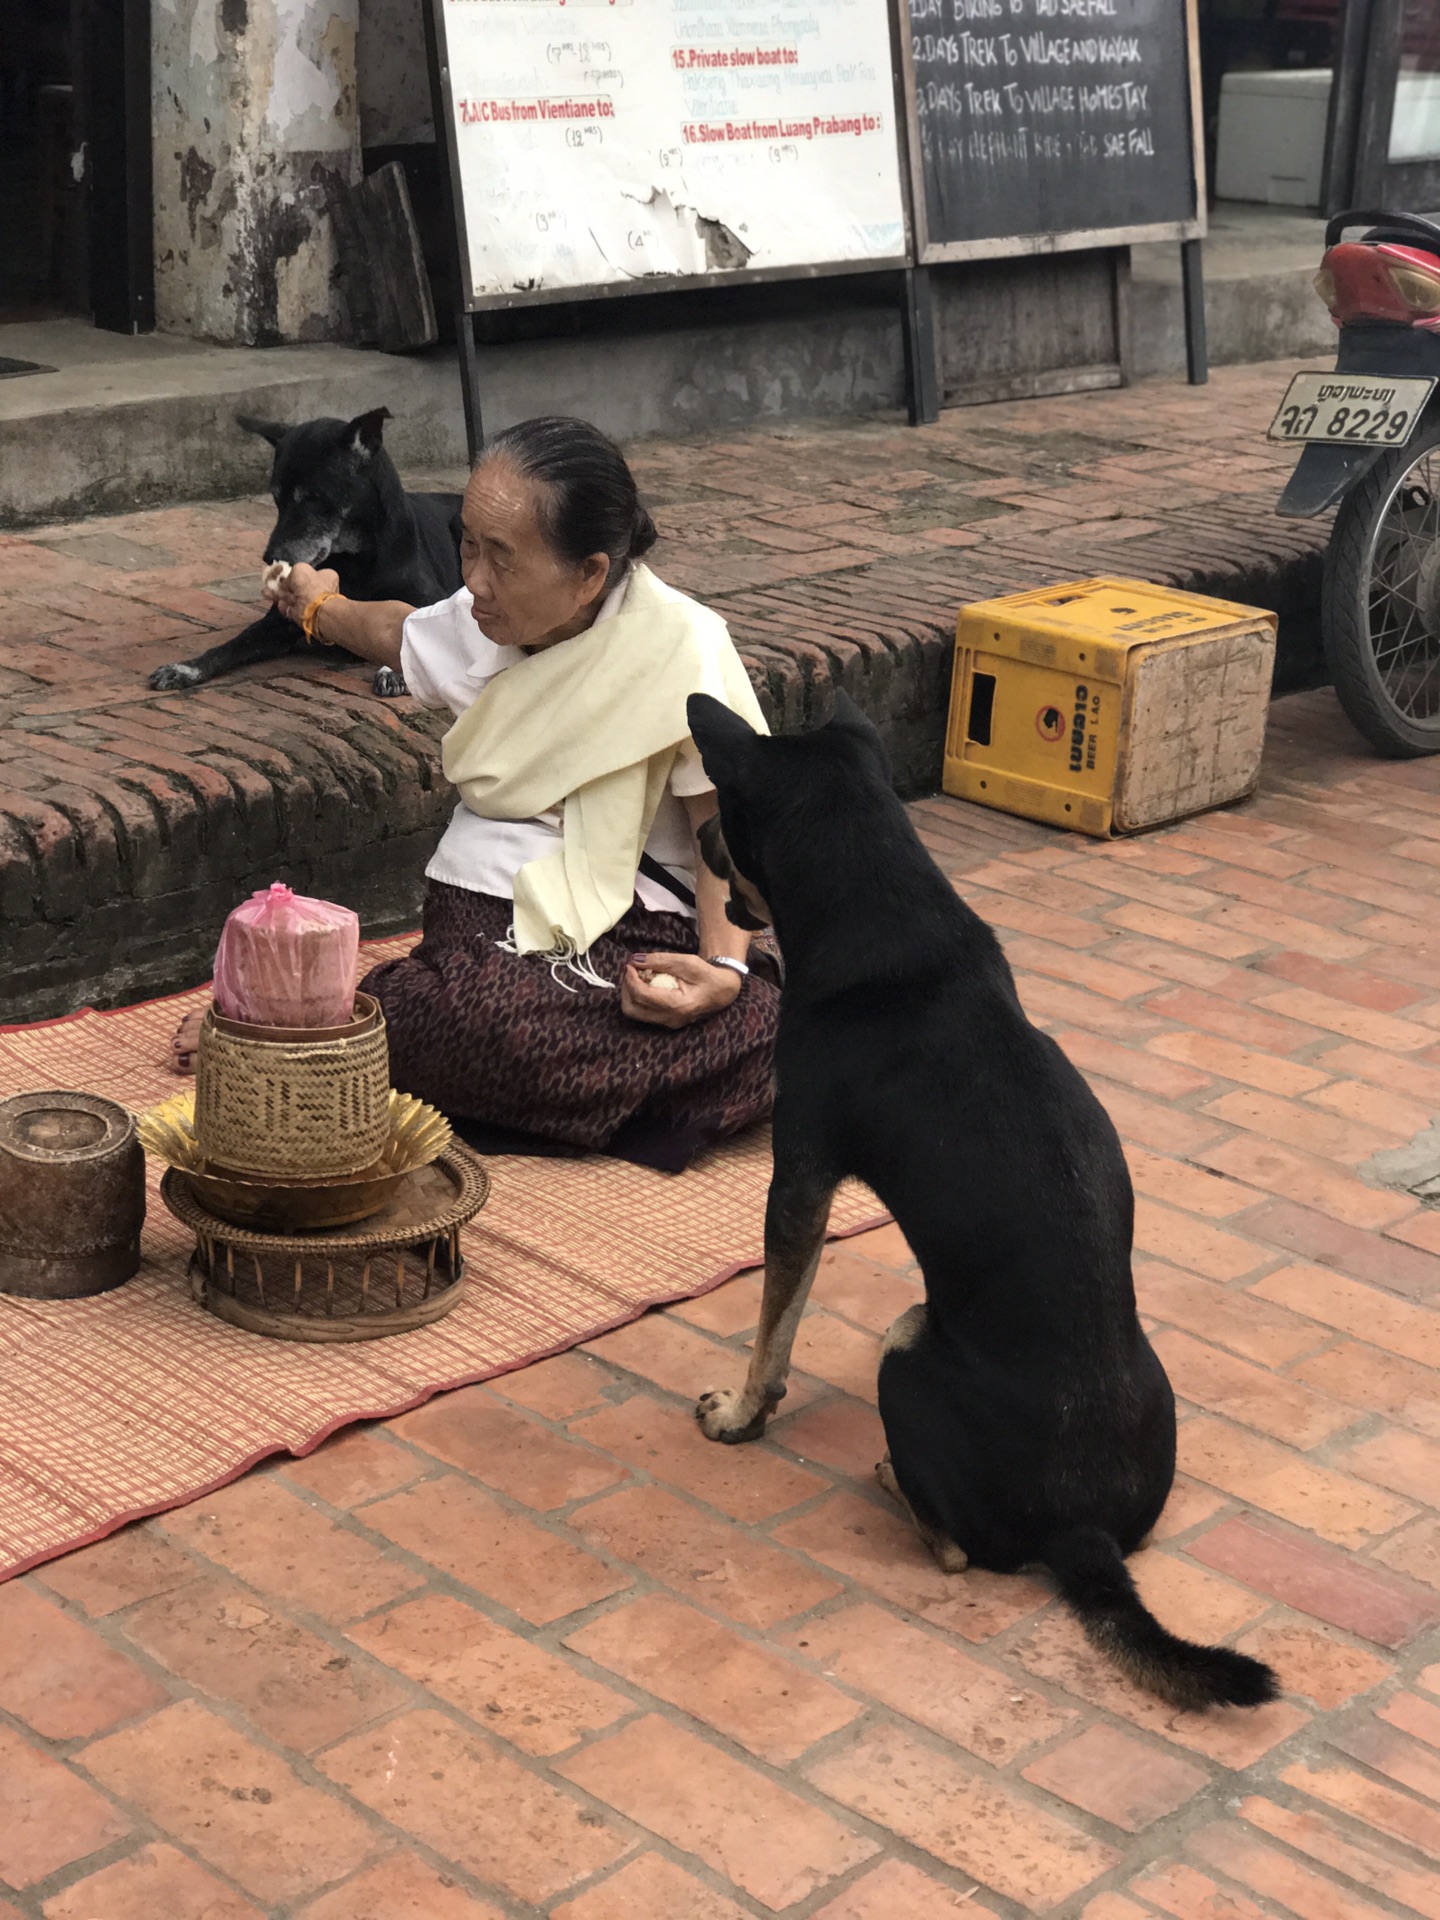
(525, 593)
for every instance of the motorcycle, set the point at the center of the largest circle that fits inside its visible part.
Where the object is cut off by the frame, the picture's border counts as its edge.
(1370, 434)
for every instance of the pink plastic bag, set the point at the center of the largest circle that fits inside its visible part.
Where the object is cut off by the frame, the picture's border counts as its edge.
(288, 961)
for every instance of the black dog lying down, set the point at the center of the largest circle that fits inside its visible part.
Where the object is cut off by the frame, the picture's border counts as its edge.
(1028, 1419)
(340, 505)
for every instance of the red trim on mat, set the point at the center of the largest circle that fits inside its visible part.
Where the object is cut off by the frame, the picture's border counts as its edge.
(387, 1412)
(100, 1013)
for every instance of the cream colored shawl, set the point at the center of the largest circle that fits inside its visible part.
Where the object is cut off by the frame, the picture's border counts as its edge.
(594, 722)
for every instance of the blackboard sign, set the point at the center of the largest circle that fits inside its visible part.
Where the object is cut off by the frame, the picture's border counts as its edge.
(1052, 124)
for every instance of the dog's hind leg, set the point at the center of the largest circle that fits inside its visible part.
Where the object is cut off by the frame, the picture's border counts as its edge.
(904, 1330)
(796, 1216)
(948, 1557)
(902, 1335)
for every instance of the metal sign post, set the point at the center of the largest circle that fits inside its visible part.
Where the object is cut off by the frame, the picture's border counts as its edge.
(1192, 291)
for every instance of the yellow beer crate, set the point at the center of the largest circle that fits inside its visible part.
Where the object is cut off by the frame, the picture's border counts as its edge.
(1108, 705)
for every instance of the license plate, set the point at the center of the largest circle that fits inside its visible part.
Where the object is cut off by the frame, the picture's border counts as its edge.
(1350, 409)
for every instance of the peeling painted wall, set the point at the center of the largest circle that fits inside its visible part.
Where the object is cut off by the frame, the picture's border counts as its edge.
(394, 80)
(256, 126)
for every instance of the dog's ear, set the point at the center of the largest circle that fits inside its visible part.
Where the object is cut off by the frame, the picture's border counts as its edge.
(366, 431)
(270, 430)
(848, 718)
(724, 739)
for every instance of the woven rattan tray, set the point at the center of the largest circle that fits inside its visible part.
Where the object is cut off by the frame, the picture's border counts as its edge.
(401, 1269)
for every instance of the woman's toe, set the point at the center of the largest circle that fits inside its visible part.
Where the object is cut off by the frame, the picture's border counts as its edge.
(185, 1044)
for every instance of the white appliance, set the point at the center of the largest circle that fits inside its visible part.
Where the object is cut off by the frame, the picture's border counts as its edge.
(1271, 142)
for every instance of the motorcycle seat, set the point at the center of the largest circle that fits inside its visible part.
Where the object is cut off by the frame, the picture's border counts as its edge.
(1388, 229)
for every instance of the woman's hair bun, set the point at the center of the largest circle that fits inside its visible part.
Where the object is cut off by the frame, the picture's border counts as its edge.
(642, 535)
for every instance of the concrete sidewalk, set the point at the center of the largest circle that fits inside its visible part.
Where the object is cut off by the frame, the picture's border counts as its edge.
(118, 421)
(131, 822)
(538, 1649)
(123, 421)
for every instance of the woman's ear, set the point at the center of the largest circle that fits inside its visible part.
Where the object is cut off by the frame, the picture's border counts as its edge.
(594, 577)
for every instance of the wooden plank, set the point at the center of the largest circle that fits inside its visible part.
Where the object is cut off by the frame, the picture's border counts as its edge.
(914, 162)
(1197, 118)
(1016, 245)
(1015, 329)
(672, 283)
(1049, 385)
(399, 284)
(344, 206)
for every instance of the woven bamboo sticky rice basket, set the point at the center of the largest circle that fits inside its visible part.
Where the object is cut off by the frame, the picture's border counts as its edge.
(296, 1106)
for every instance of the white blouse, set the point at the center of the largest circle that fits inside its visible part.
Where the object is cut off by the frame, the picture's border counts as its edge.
(447, 661)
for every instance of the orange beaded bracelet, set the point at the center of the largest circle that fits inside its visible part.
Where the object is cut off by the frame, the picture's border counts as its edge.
(312, 613)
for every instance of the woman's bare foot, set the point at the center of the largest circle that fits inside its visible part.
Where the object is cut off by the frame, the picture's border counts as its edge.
(186, 1044)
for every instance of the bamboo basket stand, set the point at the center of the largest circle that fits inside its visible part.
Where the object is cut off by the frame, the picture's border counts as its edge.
(402, 1269)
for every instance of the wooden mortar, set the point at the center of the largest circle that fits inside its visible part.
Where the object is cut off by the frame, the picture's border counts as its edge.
(72, 1195)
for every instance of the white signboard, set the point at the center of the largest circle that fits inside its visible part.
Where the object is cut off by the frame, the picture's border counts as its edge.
(602, 143)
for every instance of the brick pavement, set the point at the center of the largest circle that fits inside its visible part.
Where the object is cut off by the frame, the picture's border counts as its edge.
(539, 1649)
(130, 822)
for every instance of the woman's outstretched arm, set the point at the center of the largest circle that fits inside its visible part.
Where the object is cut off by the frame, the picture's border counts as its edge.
(371, 628)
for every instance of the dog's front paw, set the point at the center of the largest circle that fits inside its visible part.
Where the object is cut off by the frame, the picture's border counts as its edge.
(723, 1415)
(388, 683)
(179, 673)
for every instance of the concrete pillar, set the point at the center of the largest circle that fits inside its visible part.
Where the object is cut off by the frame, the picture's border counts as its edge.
(256, 126)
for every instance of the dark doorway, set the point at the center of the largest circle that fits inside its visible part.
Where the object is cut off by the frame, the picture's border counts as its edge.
(114, 37)
(75, 202)
(42, 227)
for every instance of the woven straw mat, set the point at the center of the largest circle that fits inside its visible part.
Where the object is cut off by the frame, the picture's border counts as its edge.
(138, 1400)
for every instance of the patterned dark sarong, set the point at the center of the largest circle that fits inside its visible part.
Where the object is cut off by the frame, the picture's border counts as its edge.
(520, 1062)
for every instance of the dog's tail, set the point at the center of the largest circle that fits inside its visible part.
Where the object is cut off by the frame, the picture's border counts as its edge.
(1095, 1584)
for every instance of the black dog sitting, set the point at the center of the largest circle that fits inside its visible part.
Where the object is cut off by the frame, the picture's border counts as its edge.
(340, 504)
(1028, 1419)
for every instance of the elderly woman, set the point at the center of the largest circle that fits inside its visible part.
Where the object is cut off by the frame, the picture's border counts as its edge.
(577, 984)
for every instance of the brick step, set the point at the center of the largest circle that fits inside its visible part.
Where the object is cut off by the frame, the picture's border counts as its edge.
(131, 822)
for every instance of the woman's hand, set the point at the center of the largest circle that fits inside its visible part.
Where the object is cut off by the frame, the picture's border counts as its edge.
(301, 585)
(699, 989)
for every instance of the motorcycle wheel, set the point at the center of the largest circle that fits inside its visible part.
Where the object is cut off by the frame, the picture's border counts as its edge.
(1380, 601)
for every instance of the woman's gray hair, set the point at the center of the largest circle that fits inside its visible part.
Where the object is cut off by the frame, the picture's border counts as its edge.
(590, 501)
